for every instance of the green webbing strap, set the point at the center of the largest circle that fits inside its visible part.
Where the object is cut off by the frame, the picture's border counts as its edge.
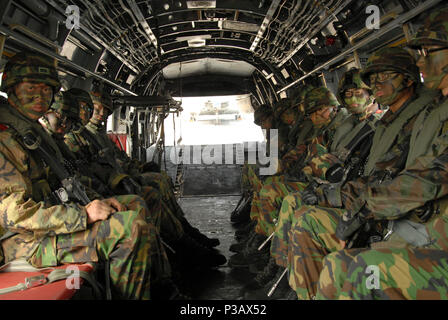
(8, 234)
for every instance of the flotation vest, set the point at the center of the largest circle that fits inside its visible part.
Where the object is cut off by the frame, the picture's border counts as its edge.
(386, 134)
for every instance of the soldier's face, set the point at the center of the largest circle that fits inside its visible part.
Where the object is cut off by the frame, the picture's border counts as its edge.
(98, 112)
(34, 98)
(387, 87)
(356, 100)
(58, 123)
(322, 116)
(432, 67)
(84, 112)
(266, 123)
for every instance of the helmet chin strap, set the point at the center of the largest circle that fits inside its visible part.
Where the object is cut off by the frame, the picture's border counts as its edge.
(438, 79)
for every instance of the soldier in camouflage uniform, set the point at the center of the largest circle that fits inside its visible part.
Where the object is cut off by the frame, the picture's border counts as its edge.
(394, 80)
(176, 231)
(47, 231)
(321, 106)
(356, 96)
(250, 179)
(411, 259)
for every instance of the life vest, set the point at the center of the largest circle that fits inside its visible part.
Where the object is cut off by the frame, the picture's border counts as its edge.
(386, 134)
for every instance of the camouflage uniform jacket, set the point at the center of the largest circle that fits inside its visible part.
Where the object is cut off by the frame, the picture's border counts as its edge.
(294, 161)
(130, 166)
(426, 175)
(390, 162)
(102, 165)
(25, 207)
(320, 159)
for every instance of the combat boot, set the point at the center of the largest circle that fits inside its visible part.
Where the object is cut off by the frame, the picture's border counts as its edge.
(242, 213)
(239, 246)
(243, 233)
(198, 235)
(263, 277)
(282, 292)
(166, 289)
(251, 254)
(192, 254)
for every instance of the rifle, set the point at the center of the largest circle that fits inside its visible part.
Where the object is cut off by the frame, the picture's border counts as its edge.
(340, 174)
(71, 188)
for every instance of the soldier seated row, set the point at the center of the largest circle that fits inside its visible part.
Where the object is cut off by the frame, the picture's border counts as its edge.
(370, 192)
(52, 218)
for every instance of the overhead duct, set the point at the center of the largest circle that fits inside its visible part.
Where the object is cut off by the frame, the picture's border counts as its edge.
(201, 4)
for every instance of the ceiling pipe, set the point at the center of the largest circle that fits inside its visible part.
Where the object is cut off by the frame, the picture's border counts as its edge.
(96, 38)
(264, 24)
(383, 30)
(314, 31)
(142, 21)
(30, 44)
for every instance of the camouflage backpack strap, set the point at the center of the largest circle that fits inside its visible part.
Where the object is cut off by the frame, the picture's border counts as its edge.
(385, 135)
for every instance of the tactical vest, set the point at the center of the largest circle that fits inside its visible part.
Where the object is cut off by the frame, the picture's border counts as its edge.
(385, 135)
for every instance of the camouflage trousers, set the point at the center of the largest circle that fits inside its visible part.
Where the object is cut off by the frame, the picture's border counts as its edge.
(292, 208)
(164, 219)
(162, 183)
(389, 273)
(127, 239)
(269, 202)
(311, 238)
(249, 178)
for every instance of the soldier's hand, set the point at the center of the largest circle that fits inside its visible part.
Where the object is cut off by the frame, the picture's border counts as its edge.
(98, 210)
(113, 202)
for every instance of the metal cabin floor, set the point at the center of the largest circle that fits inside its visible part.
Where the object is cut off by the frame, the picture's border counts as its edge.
(208, 195)
(211, 215)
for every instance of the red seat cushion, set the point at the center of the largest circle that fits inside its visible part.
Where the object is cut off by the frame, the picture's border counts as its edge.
(50, 291)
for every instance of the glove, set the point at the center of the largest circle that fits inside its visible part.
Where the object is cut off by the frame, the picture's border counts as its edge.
(349, 224)
(310, 195)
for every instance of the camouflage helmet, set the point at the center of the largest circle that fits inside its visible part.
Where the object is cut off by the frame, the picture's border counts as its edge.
(281, 106)
(391, 59)
(434, 30)
(65, 105)
(350, 80)
(80, 95)
(102, 98)
(30, 66)
(319, 98)
(262, 113)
